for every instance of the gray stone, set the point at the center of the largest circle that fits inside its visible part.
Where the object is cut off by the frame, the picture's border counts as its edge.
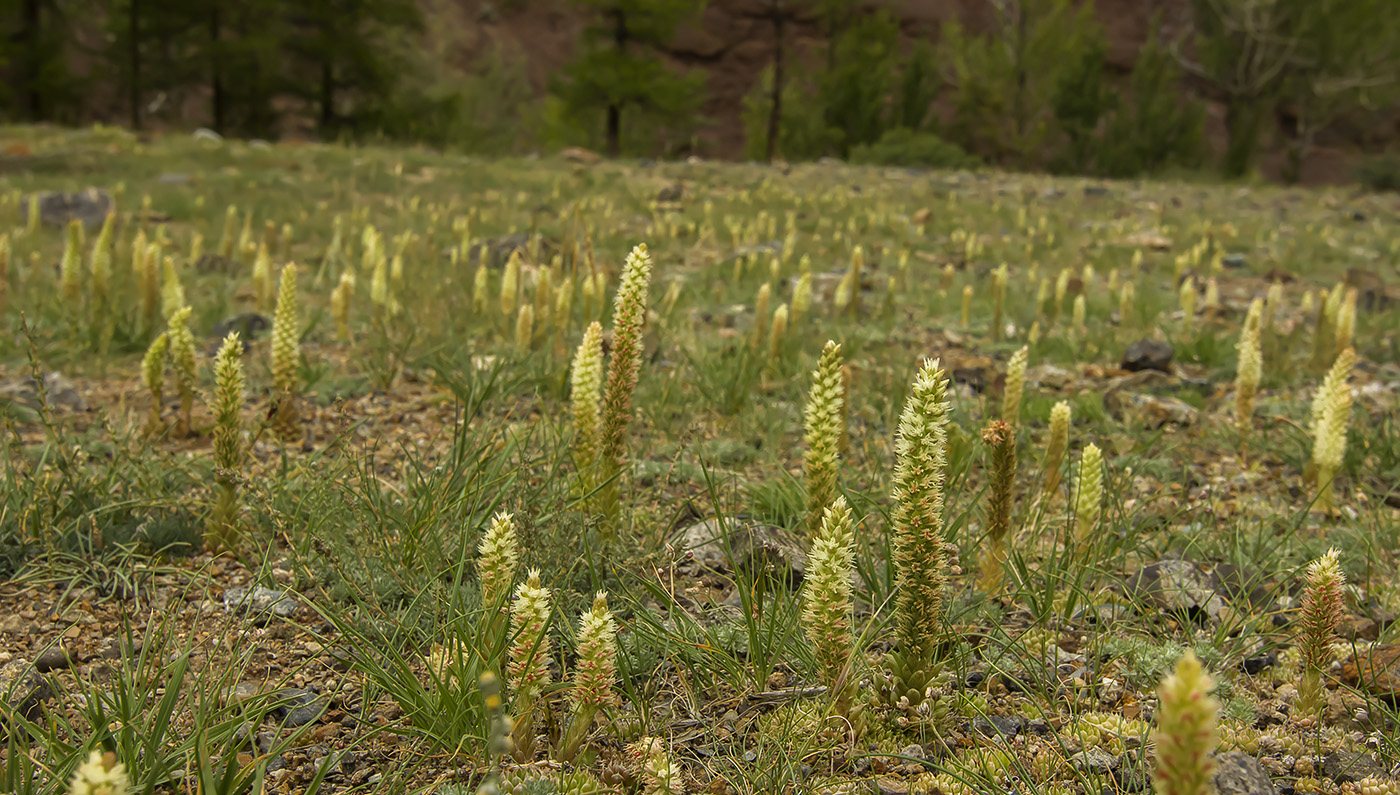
(1149, 411)
(1094, 760)
(206, 134)
(1347, 766)
(1049, 376)
(23, 688)
(216, 263)
(58, 391)
(297, 707)
(998, 725)
(260, 601)
(1239, 773)
(55, 658)
(1235, 261)
(496, 251)
(742, 545)
(1179, 586)
(90, 206)
(248, 325)
(1148, 354)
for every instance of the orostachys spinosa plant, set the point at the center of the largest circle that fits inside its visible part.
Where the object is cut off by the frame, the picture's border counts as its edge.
(153, 378)
(586, 397)
(497, 557)
(101, 774)
(528, 659)
(1088, 492)
(184, 364)
(1000, 440)
(827, 607)
(594, 673)
(1250, 367)
(1015, 385)
(629, 319)
(227, 408)
(920, 558)
(1187, 732)
(1331, 411)
(1056, 443)
(1320, 616)
(823, 420)
(286, 347)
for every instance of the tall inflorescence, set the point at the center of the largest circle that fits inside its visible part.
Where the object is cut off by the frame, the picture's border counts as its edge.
(340, 304)
(286, 348)
(1187, 732)
(967, 305)
(802, 297)
(1127, 304)
(101, 266)
(1331, 411)
(921, 451)
(153, 377)
(594, 674)
(1320, 616)
(183, 362)
(1000, 439)
(827, 609)
(760, 316)
(525, 328)
(70, 268)
(586, 395)
(629, 319)
(1346, 320)
(1325, 330)
(262, 277)
(529, 654)
(4, 271)
(822, 419)
(1056, 443)
(172, 293)
(1088, 492)
(497, 556)
(1250, 367)
(227, 409)
(660, 775)
(1015, 385)
(1187, 296)
(230, 234)
(101, 774)
(999, 277)
(510, 285)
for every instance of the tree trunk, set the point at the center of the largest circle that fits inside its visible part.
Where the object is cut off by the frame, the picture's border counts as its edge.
(134, 32)
(327, 95)
(775, 110)
(218, 100)
(32, 93)
(614, 128)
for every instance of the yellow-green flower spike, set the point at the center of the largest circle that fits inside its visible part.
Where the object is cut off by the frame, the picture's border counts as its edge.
(101, 264)
(497, 556)
(777, 331)
(827, 609)
(1000, 439)
(1331, 411)
(660, 776)
(1187, 296)
(262, 277)
(1078, 315)
(70, 267)
(999, 277)
(966, 305)
(286, 348)
(153, 374)
(172, 293)
(480, 285)
(1015, 385)
(802, 296)
(1346, 320)
(31, 226)
(229, 238)
(227, 409)
(524, 328)
(1187, 731)
(760, 315)
(921, 456)
(594, 674)
(528, 658)
(1321, 614)
(510, 285)
(1250, 366)
(183, 362)
(101, 774)
(822, 419)
(1056, 443)
(586, 398)
(340, 304)
(629, 319)
(1088, 492)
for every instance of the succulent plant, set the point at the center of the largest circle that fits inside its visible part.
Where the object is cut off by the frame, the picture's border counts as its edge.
(286, 347)
(1186, 736)
(1250, 367)
(1331, 412)
(629, 318)
(823, 419)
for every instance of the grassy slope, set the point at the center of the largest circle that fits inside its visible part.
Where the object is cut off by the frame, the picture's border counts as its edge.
(423, 425)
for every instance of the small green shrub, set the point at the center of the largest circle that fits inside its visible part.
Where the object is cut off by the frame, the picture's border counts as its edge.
(1380, 173)
(905, 147)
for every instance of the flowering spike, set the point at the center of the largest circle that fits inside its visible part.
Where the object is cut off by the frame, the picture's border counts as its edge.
(1187, 734)
(823, 421)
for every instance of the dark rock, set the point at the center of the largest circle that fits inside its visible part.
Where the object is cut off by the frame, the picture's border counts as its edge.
(671, 193)
(1148, 411)
(496, 251)
(248, 325)
(260, 601)
(22, 688)
(1038, 728)
(1239, 773)
(1347, 766)
(1131, 775)
(1376, 670)
(55, 658)
(1007, 726)
(297, 707)
(742, 545)
(1180, 587)
(1094, 760)
(1148, 354)
(1235, 261)
(1256, 665)
(58, 391)
(1095, 190)
(57, 209)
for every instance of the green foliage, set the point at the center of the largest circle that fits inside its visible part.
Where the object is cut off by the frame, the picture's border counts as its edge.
(1006, 80)
(855, 90)
(919, 84)
(802, 134)
(1380, 173)
(1080, 99)
(905, 147)
(1154, 128)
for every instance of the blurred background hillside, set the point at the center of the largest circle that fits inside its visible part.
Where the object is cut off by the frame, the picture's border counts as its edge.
(1291, 90)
